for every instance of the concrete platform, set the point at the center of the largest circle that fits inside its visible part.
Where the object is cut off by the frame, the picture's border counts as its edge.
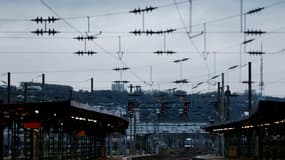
(133, 157)
(208, 157)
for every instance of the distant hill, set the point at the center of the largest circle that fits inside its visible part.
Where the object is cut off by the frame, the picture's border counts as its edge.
(201, 106)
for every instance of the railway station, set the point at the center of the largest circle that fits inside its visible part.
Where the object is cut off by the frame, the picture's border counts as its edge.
(258, 136)
(55, 130)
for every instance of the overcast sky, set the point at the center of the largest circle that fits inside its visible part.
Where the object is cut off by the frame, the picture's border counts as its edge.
(27, 55)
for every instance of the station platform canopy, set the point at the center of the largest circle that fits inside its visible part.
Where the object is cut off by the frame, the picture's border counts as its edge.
(268, 114)
(65, 115)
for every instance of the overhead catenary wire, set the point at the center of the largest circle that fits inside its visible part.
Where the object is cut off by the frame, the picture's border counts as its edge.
(116, 13)
(126, 12)
(191, 40)
(66, 22)
(92, 41)
(177, 32)
(135, 53)
(183, 53)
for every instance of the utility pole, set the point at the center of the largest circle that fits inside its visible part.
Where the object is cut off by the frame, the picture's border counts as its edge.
(25, 92)
(249, 83)
(70, 94)
(222, 98)
(134, 133)
(205, 41)
(43, 88)
(249, 89)
(227, 107)
(222, 114)
(9, 88)
(131, 140)
(92, 81)
(190, 16)
(219, 119)
(261, 73)
(218, 110)
(88, 24)
(214, 63)
(241, 15)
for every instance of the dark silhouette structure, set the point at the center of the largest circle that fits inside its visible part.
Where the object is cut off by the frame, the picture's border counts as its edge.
(55, 130)
(260, 135)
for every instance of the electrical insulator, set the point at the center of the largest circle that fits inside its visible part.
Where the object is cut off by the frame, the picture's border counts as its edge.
(170, 30)
(52, 32)
(181, 81)
(41, 19)
(52, 19)
(168, 52)
(118, 81)
(136, 32)
(135, 11)
(81, 53)
(139, 10)
(151, 32)
(38, 20)
(255, 10)
(150, 8)
(38, 32)
(81, 38)
(254, 32)
(256, 53)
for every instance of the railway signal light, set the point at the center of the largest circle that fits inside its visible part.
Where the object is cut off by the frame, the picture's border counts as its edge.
(185, 109)
(130, 107)
(162, 109)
